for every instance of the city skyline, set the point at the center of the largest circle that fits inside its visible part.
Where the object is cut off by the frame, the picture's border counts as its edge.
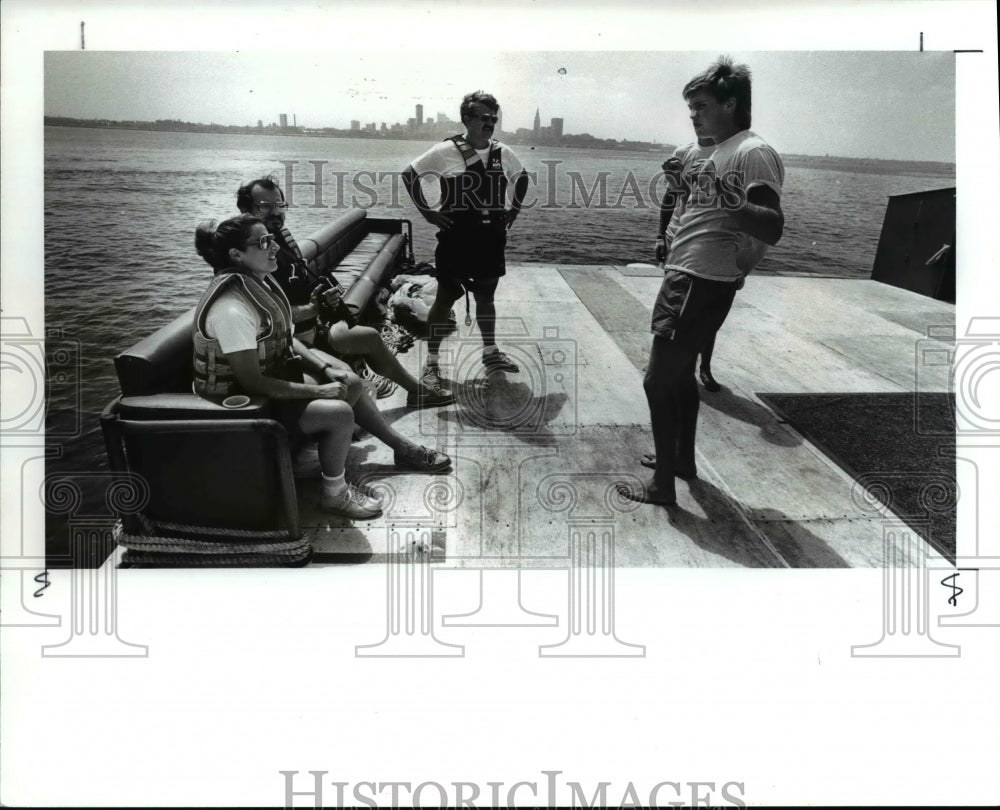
(414, 125)
(805, 103)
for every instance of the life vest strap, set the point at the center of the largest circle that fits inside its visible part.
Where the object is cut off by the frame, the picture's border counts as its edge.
(469, 154)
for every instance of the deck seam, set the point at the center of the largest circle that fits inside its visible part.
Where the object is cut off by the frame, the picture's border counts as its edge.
(875, 372)
(738, 507)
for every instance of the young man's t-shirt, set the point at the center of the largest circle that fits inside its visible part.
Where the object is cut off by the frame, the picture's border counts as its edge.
(707, 242)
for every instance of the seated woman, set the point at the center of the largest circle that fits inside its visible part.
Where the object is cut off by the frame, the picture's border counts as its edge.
(243, 344)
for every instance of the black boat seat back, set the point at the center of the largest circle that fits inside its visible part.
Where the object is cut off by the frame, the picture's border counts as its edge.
(330, 245)
(161, 362)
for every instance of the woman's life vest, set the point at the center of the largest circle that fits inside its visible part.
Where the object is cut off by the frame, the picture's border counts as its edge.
(213, 376)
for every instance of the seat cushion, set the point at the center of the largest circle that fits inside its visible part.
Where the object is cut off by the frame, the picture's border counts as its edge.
(160, 362)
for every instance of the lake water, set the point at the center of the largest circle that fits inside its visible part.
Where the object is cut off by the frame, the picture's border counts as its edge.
(121, 207)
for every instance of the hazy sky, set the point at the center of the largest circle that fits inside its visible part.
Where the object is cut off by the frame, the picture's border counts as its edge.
(897, 104)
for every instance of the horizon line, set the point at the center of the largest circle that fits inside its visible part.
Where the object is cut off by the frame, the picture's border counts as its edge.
(665, 145)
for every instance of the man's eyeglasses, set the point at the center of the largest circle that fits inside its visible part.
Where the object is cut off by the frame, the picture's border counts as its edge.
(268, 207)
(266, 242)
(486, 118)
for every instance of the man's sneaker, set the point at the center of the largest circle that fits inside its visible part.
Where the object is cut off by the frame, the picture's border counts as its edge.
(431, 377)
(422, 459)
(498, 361)
(429, 397)
(384, 387)
(352, 503)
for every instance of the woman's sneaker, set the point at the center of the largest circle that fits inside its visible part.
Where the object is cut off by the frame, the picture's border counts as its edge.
(422, 459)
(352, 503)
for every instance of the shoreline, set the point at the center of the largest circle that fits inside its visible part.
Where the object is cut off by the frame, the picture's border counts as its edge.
(827, 162)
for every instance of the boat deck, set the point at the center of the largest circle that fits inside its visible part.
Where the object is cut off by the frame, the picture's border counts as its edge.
(537, 453)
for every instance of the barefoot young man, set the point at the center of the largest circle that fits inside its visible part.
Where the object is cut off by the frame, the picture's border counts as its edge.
(472, 220)
(734, 191)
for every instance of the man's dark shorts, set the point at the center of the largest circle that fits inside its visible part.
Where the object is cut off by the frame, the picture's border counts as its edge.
(690, 310)
(481, 288)
(471, 252)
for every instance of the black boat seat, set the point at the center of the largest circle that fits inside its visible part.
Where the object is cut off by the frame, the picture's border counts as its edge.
(217, 482)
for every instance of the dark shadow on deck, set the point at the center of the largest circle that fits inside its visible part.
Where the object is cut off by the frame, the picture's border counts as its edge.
(733, 405)
(502, 404)
(798, 546)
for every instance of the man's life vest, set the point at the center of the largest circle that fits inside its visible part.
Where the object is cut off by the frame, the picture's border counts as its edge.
(294, 274)
(478, 195)
(213, 376)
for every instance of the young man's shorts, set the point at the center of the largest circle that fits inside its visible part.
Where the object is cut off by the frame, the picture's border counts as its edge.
(689, 310)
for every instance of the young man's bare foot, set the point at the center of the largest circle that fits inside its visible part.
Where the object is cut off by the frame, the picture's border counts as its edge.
(710, 383)
(681, 470)
(650, 492)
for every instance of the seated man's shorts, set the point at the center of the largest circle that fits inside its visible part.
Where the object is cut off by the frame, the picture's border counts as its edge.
(689, 310)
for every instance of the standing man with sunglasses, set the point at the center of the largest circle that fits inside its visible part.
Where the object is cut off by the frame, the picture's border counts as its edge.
(472, 220)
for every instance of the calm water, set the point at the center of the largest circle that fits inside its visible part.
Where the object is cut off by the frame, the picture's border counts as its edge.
(121, 207)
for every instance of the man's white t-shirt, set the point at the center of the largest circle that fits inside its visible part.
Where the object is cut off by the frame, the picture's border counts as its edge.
(707, 242)
(445, 160)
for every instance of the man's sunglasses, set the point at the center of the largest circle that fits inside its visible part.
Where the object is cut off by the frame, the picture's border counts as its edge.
(268, 207)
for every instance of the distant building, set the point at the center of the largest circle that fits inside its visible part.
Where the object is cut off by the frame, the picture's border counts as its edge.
(420, 115)
(355, 125)
(557, 127)
(283, 120)
(260, 124)
(442, 118)
(538, 122)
